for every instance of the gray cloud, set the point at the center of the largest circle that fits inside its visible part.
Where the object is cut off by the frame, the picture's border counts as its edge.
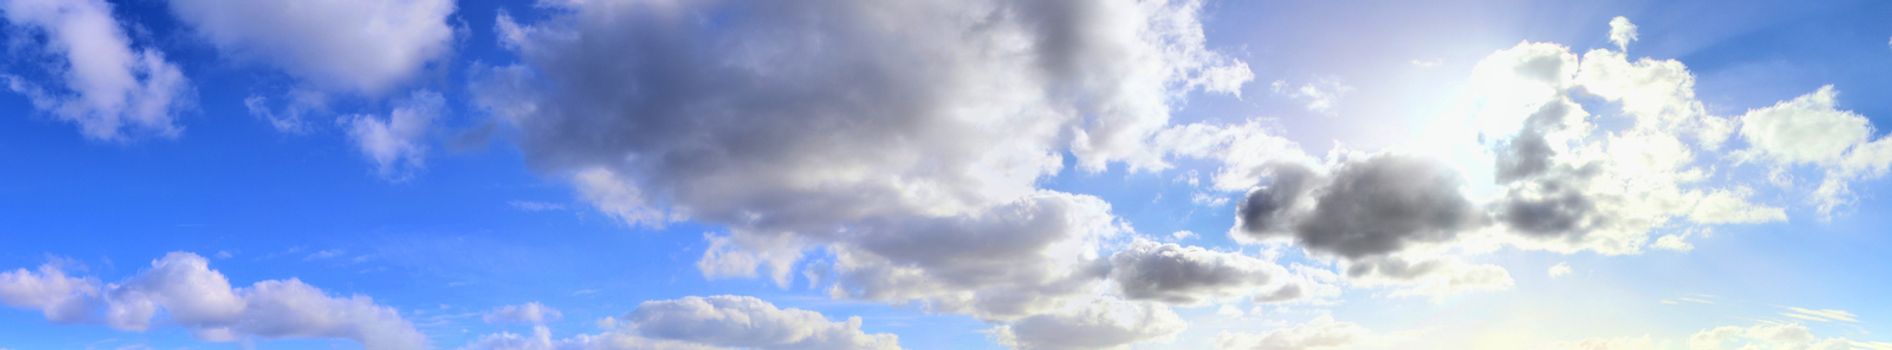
(703, 323)
(1174, 273)
(1096, 324)
(910, 156)
(1370, 206)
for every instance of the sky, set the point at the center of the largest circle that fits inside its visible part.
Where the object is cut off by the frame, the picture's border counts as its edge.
(932, 174)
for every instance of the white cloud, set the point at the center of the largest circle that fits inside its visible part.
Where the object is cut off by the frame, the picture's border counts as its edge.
(715, 322)
(1560, 269)
(113, 90)
(1812, 130)
(1674, 242)
(1101, 323)
(528, 313)
(1319, 96)
(365, 46)
(1805, 130)
(1761, 335)
(1320, 333)
(1821, 315)
(1768, 335)
(1622, 32)
(397, 144)
(190, 294)
(59, 297)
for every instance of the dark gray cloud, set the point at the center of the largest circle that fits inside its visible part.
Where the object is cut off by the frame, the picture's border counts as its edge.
(1272, 208)
(1178, 274)
(1370, 206)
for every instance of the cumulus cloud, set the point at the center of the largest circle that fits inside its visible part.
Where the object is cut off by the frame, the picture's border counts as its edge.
(1812, 130)
(184, 288)
(112, 90)
(1567, 187)
(529, 313)
(1369, 206)
(1559, 270)
(1320, 333)
(1187, 275)
(1622, 32)
(1101, 323)
(911, 156)
(363, 46)
(397, 144)
(714, 322)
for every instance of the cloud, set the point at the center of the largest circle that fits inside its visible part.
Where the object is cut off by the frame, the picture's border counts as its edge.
(1433, 277)
(1320, 333)
(59, 297)
(1812, 130)
(714, 322)
(362, 46)
(1821, 315)
(1008, 261)
(528, 313)
(1187, 275)
(1761, 335)
(1622, 32)
(1559, 270)
(397, 144)
(190, 294)
(1568, 188)
(1319, 96)
(1370, 206)
(1101, 323)
(1768, 335)
(113, 90)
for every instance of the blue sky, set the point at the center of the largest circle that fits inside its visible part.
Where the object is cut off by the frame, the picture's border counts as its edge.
(943, 175)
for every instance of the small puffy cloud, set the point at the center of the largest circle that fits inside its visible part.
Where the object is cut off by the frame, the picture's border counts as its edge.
(1805, 130)
(365, 46)
(1821, 315)
(1319, 96)
(1320, 333)
(183, 288)
(1559, 270)
(112, 89)
(714, 322)
(398, 143)
(1101, 323)
(1186, 274)
(528, 313)
(1622, 32)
